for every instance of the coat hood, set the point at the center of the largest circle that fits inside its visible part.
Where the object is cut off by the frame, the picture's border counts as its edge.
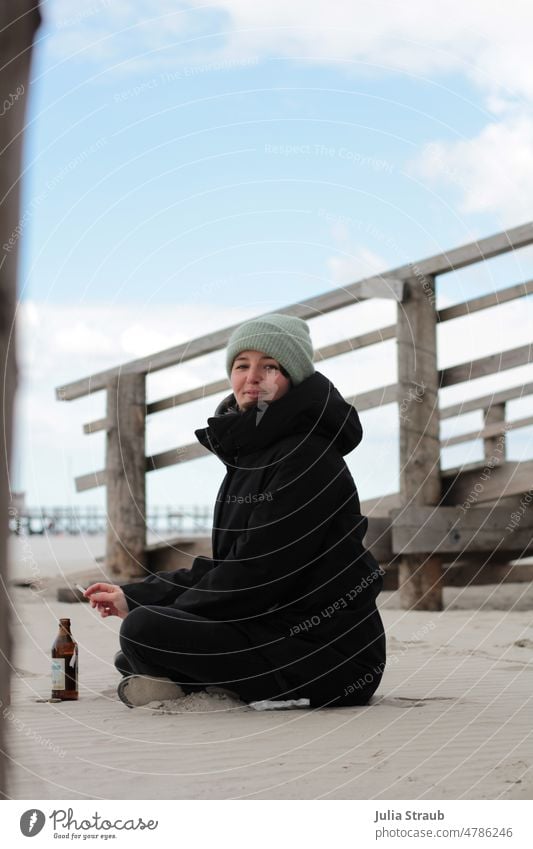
(313, 407)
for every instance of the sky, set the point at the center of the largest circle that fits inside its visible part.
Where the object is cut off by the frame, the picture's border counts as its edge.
(190, 165)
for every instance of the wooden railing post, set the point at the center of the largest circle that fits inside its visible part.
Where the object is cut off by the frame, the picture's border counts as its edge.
(494, 446)
(419, 575)
(125, 476)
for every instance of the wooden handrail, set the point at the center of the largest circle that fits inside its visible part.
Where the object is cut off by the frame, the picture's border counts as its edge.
(378, 286)
(386, 285)
(491, 364)
(494, 299)
(382, 334)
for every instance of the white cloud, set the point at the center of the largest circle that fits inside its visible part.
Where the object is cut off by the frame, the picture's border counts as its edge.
(139, 340)
(70, 340)
(348, 266)
(485, 39)
(111, 30)
(352, 261)
(493, 171)
(80, 338)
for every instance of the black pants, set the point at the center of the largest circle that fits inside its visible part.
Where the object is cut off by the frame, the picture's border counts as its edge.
(197, 652)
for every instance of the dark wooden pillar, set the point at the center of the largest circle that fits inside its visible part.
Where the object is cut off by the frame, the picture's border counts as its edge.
(125, 476)
(19, 20)
(419, 575)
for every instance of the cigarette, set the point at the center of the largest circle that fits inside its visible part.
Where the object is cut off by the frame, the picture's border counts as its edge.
(80, 588)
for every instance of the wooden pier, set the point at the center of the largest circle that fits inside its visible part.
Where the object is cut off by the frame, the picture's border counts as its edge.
(452, 525)
(181, 520)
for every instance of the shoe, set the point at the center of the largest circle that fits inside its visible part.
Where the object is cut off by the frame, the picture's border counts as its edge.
(138, 690)
(121, 664)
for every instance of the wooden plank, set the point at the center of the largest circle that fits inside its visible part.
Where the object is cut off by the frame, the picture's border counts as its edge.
(381, 506)
(90, 480)
(98, 424)
(454, 530)
(492, 364)
(189, 395)
(472, 252)
(511, 502)
(375, 397)
(345, 346)
(468, 485)
(520, 290)
(182, 454)
(385, 285)
(491, 430)
(479, 571)
(173, 542)
(485, 401)
(419, 577)
(476, 466)
(126, 478)
(177, 554)
(378, 286)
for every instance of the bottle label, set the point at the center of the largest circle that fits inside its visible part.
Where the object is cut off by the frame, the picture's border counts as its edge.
(58, 673)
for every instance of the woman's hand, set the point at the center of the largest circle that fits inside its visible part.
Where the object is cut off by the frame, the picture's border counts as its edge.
(109, 599)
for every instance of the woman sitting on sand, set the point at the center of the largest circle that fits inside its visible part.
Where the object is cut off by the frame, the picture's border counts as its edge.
(286, 607)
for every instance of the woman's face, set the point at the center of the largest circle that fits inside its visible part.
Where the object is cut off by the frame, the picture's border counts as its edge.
(257, 377)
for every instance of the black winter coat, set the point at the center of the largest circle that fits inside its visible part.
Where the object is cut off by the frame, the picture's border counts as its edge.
(288, 555)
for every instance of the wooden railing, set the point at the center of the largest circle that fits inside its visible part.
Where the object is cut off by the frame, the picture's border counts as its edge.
(423, 485)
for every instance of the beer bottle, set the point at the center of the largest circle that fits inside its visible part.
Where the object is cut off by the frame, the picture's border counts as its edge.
(64, 664)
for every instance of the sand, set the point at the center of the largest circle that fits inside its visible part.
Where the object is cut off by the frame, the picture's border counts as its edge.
(451, 719)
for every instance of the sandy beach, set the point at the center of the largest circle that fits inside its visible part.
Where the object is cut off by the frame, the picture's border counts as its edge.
(452, 718)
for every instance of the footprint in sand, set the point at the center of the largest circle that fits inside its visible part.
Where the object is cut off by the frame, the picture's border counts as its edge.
(404, 702)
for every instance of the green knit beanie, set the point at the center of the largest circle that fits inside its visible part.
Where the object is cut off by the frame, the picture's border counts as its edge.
(283, 337)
